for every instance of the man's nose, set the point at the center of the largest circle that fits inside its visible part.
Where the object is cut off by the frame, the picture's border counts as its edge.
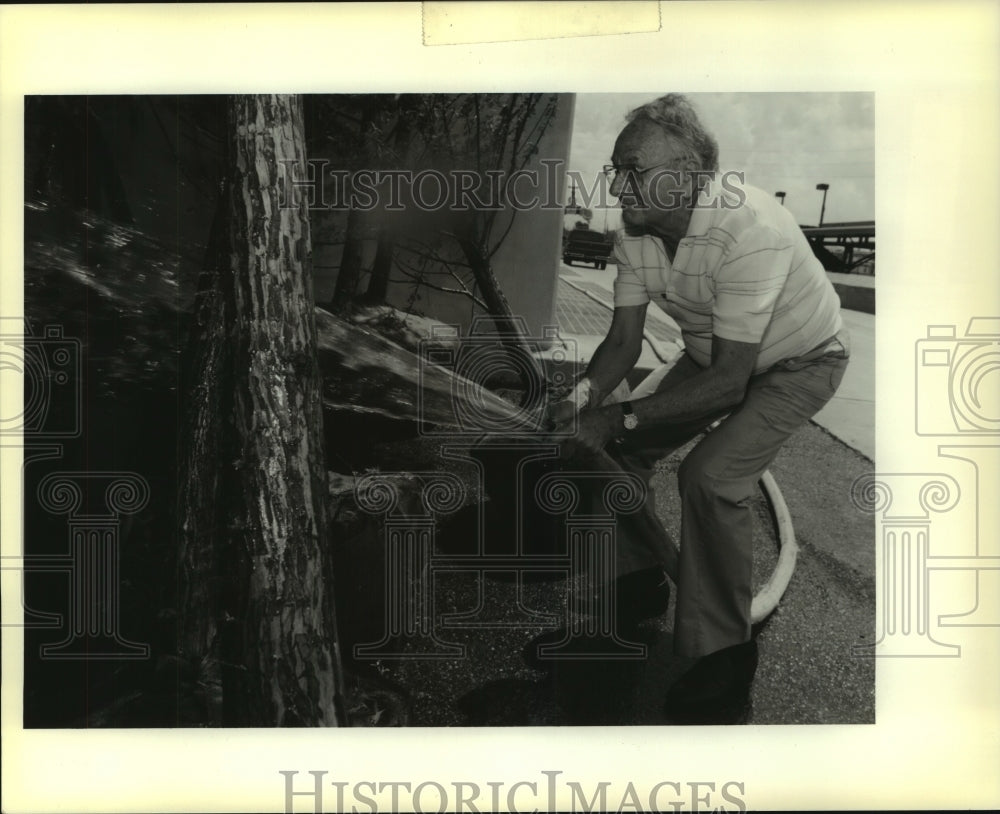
(617, 183)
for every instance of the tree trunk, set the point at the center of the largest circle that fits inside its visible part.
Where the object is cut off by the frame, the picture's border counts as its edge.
(258, 458)
(350, 262)
(287, 628)
(378, 285)
(357, 222)
(403, 148)
(206, 375)
(498, 308)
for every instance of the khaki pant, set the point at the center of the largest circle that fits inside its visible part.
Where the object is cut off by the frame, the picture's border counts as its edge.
(716, 481)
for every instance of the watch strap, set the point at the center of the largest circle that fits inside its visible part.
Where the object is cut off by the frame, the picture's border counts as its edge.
(629, 418)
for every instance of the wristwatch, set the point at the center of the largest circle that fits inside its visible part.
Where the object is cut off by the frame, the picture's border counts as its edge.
(631, 421)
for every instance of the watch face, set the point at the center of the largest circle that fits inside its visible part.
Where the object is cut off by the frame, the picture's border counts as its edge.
(631, 422)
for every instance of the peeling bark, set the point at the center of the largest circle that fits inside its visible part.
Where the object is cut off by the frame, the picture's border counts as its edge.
(272, 626)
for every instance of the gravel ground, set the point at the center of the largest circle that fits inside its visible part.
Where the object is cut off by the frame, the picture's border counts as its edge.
(808, 671)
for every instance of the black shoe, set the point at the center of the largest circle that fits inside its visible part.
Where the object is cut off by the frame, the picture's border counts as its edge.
(638, 595)
(716, 690)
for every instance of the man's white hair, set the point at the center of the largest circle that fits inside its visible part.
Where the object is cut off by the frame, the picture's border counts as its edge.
(675, 115)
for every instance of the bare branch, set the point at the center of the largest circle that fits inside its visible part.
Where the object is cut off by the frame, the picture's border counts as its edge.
(418, 278)
(427, 252)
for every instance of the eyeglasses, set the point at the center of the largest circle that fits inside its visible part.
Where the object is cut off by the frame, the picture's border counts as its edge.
(631, 170)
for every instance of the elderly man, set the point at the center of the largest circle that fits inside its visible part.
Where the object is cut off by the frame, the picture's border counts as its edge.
(764, 348)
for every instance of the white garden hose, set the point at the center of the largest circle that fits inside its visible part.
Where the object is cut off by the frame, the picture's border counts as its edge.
(645, 333)
(767, 598)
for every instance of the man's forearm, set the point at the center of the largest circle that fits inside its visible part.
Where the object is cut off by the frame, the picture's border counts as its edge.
(610, 364)
(705, 393)
(694, 394)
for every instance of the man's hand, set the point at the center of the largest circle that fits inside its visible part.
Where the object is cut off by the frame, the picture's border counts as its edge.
(559, 413)
(596, 427)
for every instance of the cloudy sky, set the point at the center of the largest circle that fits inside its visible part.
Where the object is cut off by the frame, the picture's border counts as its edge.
(782, 141)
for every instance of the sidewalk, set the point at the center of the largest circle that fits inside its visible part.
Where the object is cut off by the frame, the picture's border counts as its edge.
(850, 415)
(583, 310)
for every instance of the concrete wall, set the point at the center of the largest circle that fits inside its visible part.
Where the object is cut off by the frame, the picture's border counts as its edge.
(526, 264)
(856, 298)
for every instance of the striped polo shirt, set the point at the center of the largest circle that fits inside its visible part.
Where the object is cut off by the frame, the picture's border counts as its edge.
(745, 274)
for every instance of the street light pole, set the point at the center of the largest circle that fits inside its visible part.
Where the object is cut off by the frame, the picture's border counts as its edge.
(780, 196)
(822, 210)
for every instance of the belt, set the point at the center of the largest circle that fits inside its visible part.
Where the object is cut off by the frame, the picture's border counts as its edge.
(836, 346)
(820, 349)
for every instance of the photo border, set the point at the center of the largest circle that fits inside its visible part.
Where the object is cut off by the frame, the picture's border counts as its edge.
(934, 72)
